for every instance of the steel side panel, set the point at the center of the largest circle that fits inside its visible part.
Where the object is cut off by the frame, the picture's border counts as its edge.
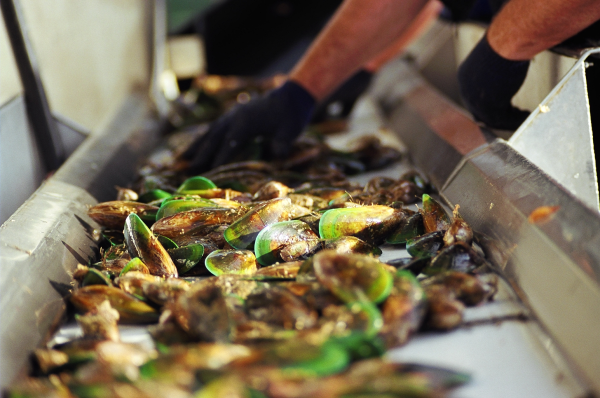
(44, 240)
(552, 265)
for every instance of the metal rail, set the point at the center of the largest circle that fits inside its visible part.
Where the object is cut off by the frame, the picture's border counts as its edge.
(44, 127)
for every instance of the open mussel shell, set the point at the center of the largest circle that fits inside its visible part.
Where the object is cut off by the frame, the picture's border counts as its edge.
(130, 308)
(285, 241)
(174, 206)
(188, 222)
(186, 257)
(344, 274)
(435, 217)
(241, 262)
(369, 223)
(195, 184)
(142, 243)
(351, 244)
(112, 215)
(242, 232)
(409, 228)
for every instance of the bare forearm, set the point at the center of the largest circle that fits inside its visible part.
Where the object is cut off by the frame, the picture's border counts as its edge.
(421, 22)
(357, 32)
(524, 28)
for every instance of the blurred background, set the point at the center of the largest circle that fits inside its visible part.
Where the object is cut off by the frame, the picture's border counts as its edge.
(87, 57)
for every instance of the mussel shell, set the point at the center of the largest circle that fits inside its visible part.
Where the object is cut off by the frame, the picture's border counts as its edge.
(242, 232)
(312, 220)
(96, 277)
(435, 217)
(278, 237)
(308, 201)
(195, 184)
(279, 271)
(351, 244)
(130, 308)
(284, 309)
(186, 257)
(403, 310)
(174, 206)
(142, 243)
(188, 222)
(458, 231)
(369, 223)
(425, 245)
(136, 264)
(112, 215)
(457, 257)
(413, 264)
(154, 195)
(272, 190)
(221, 262)
(202, 313)
(409, 228)
(343, 274)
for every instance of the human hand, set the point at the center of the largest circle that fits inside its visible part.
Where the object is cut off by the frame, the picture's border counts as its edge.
(274, 120)
(487, 84)
(340, 103)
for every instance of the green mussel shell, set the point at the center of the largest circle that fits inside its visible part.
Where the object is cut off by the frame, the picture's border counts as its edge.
(243, 232)
(409, 228)
(196, 184)
(344, 274)
(136, 264)
(295, 238)
(170, 207)
(130, 308)
(369, 223)
(186, 257)
(154, 195)
(435, 217)
(241, 262)
(95, 277)
(142, 243)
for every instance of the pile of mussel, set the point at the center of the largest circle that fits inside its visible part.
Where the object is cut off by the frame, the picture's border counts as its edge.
(263, 280)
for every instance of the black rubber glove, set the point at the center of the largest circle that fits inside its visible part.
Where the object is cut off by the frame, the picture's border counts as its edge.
(275, 120)
(487, 84)
(340, 103)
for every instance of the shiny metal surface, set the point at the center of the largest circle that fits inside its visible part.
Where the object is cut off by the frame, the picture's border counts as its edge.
(558, 137)
(554, 265)
(45, 239)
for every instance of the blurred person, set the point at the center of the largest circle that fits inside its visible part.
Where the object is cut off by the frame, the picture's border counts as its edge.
(362, 35)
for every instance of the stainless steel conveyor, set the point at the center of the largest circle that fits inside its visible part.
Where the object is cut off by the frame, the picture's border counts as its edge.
(541, 335)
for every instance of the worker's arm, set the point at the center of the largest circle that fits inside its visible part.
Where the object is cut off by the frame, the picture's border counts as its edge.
(496, 68)
(357, 32)
(524, 28)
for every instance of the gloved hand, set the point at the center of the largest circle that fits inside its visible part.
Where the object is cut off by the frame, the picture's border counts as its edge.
(275, 120)
(487, 84)
(340, 103)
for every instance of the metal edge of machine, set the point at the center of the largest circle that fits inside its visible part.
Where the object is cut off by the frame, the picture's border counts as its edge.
(550, 264)
(51, 232)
